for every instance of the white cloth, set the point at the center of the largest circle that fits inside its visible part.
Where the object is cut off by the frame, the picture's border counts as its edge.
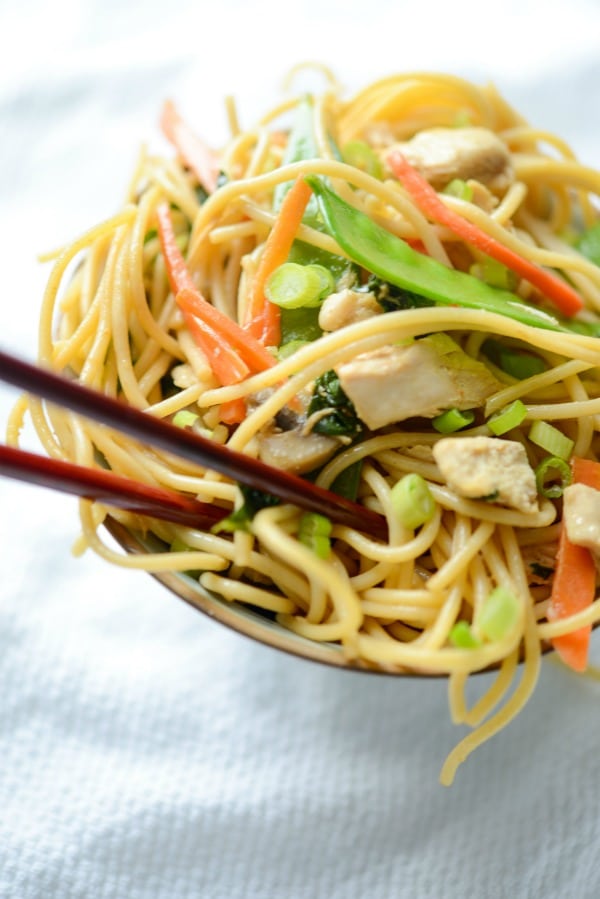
(145, 751)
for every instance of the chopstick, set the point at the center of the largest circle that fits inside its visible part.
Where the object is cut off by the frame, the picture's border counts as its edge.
(188, 445)
(107, 487)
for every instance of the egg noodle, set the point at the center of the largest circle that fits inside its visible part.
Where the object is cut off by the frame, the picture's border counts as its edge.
(110, 319)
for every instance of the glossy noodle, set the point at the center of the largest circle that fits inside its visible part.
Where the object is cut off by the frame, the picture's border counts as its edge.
(388, 370)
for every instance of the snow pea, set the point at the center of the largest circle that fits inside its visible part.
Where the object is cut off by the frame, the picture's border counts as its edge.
(391, 258)
(302, 145)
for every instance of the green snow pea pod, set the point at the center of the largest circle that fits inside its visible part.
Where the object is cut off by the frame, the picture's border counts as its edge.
(391, 258)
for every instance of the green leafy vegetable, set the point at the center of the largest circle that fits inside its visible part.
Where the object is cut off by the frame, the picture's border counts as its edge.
(516, 363)
(588, 244)
(342, 420)
(301, 145)
(254, 501)
(392, 298)
(541, 571)
(307, 254)
(300, 325)
(347, 482)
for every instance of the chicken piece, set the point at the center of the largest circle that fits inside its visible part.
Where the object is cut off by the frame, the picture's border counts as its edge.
(488, 468)
(347, 307)
(441, 154)
(581, 512)
(294, 451)
(423, 379)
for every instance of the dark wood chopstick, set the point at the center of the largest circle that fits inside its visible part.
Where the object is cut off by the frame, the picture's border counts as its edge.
(107, 487)
(188, 445)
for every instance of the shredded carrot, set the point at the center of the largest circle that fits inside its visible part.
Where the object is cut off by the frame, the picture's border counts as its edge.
(254, 354)
(574, 584)
(557, 291)
(194, 152)
(232, 412)
(177, 270)
(224, 361)
(209, 327)
(262, 317)
(189, 298)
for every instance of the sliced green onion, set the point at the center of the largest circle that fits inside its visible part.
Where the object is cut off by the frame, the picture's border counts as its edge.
(546, 474)
(185, 419)
(463, 637)
(453, 420)
(314, 531)
(459, 189)
(498, 615)
(327, 279)
(292, 286)
(363, 157)
(412, 501)
(510, 417)
(551, 439)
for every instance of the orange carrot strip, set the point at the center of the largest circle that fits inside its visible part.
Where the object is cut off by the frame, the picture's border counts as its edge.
(222, 358)
(586, 471)
(557, 291)
(232, 412)
(189, 298)
(224, 361)
(194, 152)
(254, 354)
(262, 319)
(177, 270)
(574, 584)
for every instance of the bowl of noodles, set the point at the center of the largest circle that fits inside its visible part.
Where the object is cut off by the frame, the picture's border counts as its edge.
(395, 295)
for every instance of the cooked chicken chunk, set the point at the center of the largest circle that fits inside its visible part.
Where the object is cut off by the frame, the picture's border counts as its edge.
(347, 307)
(486, 467)
(294, 451)
(581, 511)
(441, 154)
(398, 382)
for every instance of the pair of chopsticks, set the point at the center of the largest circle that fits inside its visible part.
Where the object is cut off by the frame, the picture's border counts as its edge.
(126, 493)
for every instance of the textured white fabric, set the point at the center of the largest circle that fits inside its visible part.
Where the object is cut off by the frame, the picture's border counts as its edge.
(146, 752)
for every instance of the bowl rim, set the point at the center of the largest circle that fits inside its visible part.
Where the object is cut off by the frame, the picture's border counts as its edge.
(248, 622)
